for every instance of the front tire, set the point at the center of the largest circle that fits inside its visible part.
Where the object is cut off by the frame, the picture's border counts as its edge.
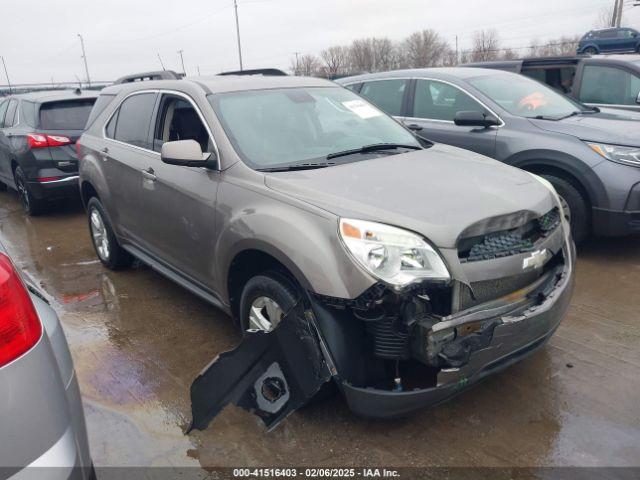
(32, 206)
(104, 241)
(579, 213)
(590, 51)
(265, 300)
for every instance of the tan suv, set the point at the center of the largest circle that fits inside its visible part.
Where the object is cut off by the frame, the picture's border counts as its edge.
(345, 248)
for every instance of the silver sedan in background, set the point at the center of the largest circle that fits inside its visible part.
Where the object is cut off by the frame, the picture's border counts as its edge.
(42, 426)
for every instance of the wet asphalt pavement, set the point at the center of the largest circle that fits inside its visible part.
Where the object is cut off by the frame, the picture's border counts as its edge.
(138, 341)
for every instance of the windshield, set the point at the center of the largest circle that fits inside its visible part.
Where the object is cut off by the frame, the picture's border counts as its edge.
(524, 97)
(272, 128)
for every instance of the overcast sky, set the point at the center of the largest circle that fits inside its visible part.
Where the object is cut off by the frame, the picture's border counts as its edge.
(39, 39)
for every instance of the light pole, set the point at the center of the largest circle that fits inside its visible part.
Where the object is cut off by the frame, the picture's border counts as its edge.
(7, 74)
(84, 57)
(235, 6)
(182, 60)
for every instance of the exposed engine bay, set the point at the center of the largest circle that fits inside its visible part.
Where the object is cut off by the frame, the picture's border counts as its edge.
(392, 350)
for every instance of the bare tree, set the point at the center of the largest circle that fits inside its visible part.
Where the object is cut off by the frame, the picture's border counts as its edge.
(557, 47)
(509, 54)
(362, 56)
(308, 65)
(385, 54)
(486, 46)
(604, 18)
(423, 49)
(335, 60)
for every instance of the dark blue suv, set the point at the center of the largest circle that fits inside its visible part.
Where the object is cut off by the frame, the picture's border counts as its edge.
(610, 40)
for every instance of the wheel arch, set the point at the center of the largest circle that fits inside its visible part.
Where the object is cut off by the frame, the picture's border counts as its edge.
(87, 191)
(567, 167)
(258, 258)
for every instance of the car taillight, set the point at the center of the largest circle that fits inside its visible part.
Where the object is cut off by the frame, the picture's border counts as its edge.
(20, 327)
(41, 140)
(78, 148)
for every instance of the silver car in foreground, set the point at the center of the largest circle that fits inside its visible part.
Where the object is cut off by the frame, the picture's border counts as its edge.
(42, 426)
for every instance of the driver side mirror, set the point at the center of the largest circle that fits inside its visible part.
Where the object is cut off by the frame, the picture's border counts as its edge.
(186, 153)
(475, 119)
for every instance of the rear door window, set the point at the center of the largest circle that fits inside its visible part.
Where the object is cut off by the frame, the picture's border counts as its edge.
(609, 86)
(385, 94)
(134, 119)
(66, 114)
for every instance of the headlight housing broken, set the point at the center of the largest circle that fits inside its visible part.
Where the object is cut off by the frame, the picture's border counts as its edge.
(618, 153)
(395, 256)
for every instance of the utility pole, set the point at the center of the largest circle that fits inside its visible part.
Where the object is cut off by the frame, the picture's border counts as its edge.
(84, 57)
(457, 54)
(616, 19)
(235, 6)
(161, 64)
(7, 74)
(199, 74)
(297, 64)
(182, 60)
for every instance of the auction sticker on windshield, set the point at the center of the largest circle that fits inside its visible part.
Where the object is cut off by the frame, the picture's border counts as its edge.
(362, 109)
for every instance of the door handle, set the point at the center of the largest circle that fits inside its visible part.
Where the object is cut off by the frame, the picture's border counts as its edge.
(415, 127)
(149, 174)
(105, 150)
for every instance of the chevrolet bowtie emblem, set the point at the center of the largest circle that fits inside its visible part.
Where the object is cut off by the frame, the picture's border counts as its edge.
(537, 259)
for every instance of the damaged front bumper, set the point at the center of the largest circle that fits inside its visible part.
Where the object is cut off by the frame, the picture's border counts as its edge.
(506, 336)
(382, 373)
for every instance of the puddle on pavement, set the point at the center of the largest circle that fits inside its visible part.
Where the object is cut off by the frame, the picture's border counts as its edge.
(138, 341)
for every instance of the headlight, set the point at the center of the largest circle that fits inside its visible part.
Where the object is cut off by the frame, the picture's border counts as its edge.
(617, 153)
(393, 255)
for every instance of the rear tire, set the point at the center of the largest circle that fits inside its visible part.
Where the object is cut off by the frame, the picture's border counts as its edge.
(104, 241)
(32, 206)
(579, 212)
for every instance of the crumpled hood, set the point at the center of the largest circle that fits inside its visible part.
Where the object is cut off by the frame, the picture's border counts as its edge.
(604, 127)
(438, 192)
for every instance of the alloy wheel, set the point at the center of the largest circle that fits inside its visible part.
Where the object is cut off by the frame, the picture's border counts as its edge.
(265, 314)
(23, 193)
(566, 209)
(99, 235)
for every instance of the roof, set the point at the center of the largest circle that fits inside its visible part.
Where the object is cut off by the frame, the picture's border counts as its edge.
(441, 73)
(223, 83)
(55, 95)
(619, 57)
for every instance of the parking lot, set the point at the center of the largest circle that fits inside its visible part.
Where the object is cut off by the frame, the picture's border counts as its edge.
(138, 340)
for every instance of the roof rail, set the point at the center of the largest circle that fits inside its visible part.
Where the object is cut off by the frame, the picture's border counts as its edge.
(272, 72)
(146, 76)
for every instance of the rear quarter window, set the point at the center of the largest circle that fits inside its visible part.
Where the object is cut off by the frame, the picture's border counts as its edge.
(65, 114)
(102, 102)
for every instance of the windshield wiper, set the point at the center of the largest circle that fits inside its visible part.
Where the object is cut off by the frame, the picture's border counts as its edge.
(372, 148)
(291, 168)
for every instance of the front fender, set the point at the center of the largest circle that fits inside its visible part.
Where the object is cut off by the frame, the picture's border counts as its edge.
(555, 161)
(303, 239)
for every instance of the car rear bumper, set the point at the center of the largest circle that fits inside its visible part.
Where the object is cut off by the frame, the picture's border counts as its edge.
(61, 462)
(615, 223)
(56, 188)
(518, 334)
